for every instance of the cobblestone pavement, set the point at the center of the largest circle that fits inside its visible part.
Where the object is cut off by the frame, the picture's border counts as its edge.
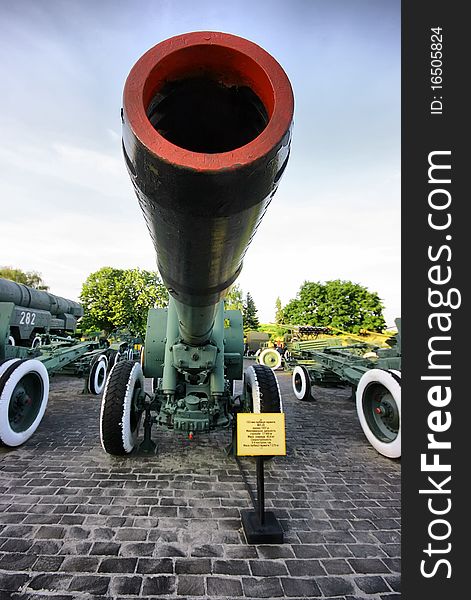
(76, 523)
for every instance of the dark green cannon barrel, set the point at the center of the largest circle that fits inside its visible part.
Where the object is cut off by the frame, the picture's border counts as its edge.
(207, 121)
(27, 297)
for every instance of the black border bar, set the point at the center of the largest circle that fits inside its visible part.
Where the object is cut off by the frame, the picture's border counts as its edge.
(436, 259)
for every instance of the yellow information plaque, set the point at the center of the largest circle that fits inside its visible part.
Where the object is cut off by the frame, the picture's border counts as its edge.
(261, 434)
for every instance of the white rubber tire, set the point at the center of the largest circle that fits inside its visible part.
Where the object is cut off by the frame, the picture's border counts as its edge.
(116, 433)
(303, 390)
(8, 436)
(4, 366)
(261, 400)
(272, 356)
(387, 379)
(11, 341)
(97, 377)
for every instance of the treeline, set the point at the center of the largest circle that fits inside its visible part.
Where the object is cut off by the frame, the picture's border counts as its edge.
(120, 298)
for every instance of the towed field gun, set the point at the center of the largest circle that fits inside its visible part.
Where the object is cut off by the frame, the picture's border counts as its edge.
(35, 343)
(374, 372)
(207, 121)
(37, 312)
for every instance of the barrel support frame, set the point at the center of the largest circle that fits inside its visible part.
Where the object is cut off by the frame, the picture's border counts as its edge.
(194, 390)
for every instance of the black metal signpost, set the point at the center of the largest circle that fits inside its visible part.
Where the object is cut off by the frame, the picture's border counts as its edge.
(260, 526)
(257, 433)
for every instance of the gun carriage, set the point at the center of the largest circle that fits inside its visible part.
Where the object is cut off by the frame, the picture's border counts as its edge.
(35, 343)
(373, 372)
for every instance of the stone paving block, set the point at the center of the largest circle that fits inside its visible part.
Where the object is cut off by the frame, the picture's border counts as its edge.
(12, 581)
(267, 568)
(80, 564)
(275, 552)
(50, 582)
(335, 586)
(17, 562)
(160, 585)
(372, 584)
(365, 550)
(105, 548)
(300, 587)
(125, 585)
(300, 568)
(91, 584)
(190, 585)
(42, 547)
(392, 550)
(49, 564)
(393, 564)
(337, 566)
(192, 565)
(310, 551)
(118, 565)
(394, 582)
(241, 551)
(224, 587)
(131, 534)
(368, 565)
(207, 551)
(268, 587)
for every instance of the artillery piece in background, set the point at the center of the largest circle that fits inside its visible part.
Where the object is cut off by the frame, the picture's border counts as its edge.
(207, 121)
(374, 373)
(35, 342)
(37, 312)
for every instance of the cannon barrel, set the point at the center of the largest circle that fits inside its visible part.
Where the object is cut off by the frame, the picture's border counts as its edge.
(207, 121)
(23, 295)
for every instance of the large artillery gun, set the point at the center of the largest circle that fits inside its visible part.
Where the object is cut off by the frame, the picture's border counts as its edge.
(373, 372)
(35, 343)
(207, 121)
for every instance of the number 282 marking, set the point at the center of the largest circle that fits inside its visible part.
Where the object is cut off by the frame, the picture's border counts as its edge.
(27, 318)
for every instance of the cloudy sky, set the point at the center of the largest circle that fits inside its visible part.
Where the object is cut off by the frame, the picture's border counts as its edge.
(67, 207)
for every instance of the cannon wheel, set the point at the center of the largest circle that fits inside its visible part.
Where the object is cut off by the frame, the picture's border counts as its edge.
(120, 415)
(261, 390)
(301, 383)
(97, 377)
(24, 391)
(270, 358)
(378, 401)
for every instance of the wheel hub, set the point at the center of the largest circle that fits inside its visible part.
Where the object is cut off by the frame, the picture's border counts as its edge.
(381, 412)
(25, 403)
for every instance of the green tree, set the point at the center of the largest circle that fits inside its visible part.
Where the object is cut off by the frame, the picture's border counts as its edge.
(340, 304)
(31, 278)
(278, 312)
(234, 298)
(116, 298)
(249, 313)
